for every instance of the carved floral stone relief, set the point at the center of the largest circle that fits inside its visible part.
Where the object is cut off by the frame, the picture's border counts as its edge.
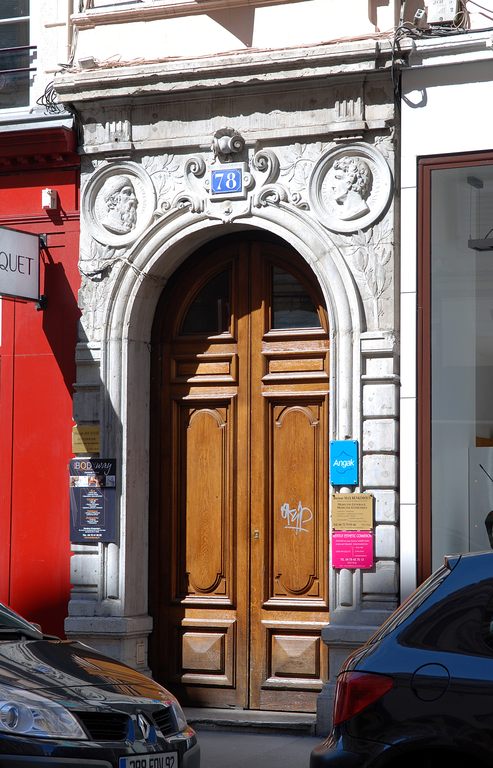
(347, 188)
(369, 256)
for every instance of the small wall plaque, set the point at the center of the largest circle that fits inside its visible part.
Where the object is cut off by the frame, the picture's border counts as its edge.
(352, 549)
(227, 181)
(85, 439)
(344, 462)
(352, 512)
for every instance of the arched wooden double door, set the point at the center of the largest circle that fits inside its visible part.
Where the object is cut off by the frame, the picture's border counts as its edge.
(239, 523)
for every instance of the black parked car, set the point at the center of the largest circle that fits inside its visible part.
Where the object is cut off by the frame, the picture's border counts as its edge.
(64, 705)
(420, 692)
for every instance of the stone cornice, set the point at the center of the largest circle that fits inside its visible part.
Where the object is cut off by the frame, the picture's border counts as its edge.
(24, 150)
(458, 48)
(254, 67)
(162, 9)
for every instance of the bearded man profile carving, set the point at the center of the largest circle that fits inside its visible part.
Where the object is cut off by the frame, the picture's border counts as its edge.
(121, 205)
(349, 184)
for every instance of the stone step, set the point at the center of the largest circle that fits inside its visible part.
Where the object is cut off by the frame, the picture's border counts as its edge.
(254, 720)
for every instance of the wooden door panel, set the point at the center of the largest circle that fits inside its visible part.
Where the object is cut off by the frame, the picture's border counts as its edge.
(207, 650)
(218, 366)
(286, 362)
(205, 502)
(296, 655)
(208, 645)
(296, 665)
(296, 456)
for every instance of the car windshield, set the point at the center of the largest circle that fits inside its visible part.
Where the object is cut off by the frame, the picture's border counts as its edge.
(13, 624)
(411, 604)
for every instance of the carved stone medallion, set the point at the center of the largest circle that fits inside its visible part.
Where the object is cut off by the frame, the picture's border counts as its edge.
(350, 187)
(118, 203)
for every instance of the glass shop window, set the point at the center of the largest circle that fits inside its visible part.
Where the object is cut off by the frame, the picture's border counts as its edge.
(17, 56)
(461, 359)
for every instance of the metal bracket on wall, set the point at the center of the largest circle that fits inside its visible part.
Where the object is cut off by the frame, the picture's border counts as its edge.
(42, 303)
(43, 300)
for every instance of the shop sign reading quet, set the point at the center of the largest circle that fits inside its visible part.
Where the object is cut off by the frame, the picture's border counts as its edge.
(19, 264)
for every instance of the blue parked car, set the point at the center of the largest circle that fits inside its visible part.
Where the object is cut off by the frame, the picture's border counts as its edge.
(419, 693)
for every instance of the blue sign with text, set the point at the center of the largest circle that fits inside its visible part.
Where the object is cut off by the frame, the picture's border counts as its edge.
(226, 181)
(344, 462)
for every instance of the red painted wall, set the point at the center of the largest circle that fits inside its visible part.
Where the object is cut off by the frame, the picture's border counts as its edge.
(37, 372)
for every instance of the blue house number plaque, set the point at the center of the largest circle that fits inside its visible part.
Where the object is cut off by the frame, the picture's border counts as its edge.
(227, 182)
(344, 462)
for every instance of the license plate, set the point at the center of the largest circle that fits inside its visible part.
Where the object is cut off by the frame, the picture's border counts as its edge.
(157, 760)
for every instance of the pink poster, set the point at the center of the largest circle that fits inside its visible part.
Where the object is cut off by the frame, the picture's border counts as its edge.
(352, 549)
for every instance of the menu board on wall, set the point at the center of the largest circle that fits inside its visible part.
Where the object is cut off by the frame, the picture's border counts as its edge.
(93, 501)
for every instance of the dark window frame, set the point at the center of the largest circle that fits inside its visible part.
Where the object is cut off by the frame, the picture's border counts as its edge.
(426, 167)
(27, 53)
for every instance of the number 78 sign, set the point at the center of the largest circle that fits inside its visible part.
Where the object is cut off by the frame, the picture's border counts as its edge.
(228, 181)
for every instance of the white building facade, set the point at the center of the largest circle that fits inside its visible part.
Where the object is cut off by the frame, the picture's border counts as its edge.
(240, 311)
(446, 297)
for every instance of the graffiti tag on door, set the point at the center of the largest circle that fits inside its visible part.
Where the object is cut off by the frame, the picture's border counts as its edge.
(296, 518)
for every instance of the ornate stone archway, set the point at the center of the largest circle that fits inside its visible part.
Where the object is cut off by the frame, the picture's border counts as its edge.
(124, 269)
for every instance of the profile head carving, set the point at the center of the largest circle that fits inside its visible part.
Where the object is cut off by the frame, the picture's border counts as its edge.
(121, 203)
(118, 203)
(349, 185)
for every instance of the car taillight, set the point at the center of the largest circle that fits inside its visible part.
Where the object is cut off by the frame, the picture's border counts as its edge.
(357, 690)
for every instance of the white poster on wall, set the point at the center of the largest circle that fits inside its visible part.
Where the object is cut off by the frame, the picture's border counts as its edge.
(19, 264)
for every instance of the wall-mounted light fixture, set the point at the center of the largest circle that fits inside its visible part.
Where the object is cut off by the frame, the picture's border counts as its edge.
(49, 199)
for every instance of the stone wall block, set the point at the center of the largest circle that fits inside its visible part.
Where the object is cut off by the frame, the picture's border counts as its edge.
(84, 569)
(386, 541)
(380, 367)
(380, 400)
(386, 506)
(382, 581)
(380, 471)
(86, 404)
(380, 435)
